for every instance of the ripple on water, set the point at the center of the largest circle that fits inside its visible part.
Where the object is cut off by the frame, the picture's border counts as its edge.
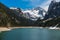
(32, 34)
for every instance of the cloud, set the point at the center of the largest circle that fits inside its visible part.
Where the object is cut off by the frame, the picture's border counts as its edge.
(34, 0)
(45, 5)
(34, 3)
(25, 0)
(57, 0)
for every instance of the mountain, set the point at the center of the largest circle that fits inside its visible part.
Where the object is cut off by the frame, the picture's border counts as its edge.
(35, 13)
(32, 17)
(53, 10)
(38, 15)
(53, 14)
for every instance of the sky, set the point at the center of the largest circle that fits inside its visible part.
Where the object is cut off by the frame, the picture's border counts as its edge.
(26, 4)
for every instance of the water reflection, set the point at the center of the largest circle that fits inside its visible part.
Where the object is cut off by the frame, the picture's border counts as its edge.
(32, 34)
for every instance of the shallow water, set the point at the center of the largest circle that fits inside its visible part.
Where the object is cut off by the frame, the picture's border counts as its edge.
(32, 34)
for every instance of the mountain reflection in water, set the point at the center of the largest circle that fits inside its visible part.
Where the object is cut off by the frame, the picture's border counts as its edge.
(32, 34)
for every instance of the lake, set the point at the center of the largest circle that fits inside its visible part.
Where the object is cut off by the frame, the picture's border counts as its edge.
(32, 34)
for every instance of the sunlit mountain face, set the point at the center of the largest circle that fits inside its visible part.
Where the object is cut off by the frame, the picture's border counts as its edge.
(32, 14)
(35, 13)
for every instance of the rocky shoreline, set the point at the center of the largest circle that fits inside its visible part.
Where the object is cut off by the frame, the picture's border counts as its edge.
(10, 28)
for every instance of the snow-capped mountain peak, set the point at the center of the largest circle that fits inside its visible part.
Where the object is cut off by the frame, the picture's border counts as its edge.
(32, 14)
(35, 13)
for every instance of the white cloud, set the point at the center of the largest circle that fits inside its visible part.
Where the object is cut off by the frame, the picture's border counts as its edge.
(45, 5)
(35, 2)
(57, 0)
(25, 0)
(32, 0)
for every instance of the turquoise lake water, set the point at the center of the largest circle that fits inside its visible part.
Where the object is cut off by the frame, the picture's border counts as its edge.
(31, 34)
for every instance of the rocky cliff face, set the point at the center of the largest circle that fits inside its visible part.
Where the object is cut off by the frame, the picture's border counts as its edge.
(53, 10)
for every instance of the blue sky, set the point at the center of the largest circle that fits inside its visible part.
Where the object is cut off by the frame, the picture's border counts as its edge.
(26, 4)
